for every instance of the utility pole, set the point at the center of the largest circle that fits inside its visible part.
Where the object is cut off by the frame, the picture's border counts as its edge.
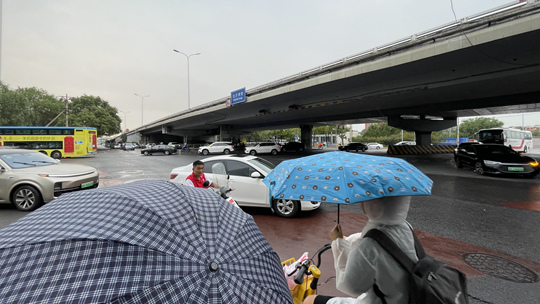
(67, 111)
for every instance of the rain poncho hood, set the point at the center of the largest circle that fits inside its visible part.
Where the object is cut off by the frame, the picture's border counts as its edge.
(386, 211)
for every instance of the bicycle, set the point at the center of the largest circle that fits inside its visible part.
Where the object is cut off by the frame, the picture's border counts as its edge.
(308, 275)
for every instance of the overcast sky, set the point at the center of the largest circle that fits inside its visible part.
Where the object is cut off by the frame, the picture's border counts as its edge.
(116, 48)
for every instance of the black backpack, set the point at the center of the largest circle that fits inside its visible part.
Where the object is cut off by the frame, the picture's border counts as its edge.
(431, 281)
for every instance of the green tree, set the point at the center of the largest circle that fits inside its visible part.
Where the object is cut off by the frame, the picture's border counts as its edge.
(341, 131)
(12, 107)
(280, 135)
(471, 126)
(42, 107)
(383, 133)
(380, 130)
(92, 111)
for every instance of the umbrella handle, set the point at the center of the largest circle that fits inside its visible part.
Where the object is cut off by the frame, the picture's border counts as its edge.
(338, 213)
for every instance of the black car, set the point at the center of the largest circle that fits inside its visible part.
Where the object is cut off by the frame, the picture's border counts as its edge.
(292, 146)
(165, 149)
(495, 159)
(354, 146)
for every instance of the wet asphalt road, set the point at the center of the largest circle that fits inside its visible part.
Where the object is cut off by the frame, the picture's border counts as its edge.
(491, 222)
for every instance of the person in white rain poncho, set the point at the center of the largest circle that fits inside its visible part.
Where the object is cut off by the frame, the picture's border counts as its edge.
(361, 264)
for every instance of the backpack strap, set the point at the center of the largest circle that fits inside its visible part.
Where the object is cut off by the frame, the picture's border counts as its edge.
(390, 246)
(420, 253)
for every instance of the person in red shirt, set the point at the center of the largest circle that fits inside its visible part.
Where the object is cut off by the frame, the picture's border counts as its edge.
(197, 178)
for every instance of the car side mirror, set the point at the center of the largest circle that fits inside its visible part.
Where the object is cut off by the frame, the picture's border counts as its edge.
(2, 169)
(256, 175)
(471, 153)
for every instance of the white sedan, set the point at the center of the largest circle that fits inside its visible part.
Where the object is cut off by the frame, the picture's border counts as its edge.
(374, 145)
(245, 175)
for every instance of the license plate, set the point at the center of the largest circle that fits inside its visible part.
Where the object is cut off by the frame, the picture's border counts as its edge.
(86, 185)
(515, 169)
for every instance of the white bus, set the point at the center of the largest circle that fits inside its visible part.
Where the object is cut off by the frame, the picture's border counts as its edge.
(518, 140)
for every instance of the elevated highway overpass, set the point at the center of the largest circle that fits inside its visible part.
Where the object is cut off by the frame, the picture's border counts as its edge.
(485, 64)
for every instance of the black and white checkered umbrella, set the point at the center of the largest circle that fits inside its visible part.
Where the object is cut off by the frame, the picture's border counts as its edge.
(145, 242)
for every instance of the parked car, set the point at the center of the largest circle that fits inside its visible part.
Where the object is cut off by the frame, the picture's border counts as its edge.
(245, 175)
(217, 147)
(165, 149)
(29, 178)
(495, 159)
(293, 146)
(406, 143)
(128, 146)
(354, 146)
(264, 147)
(374, 145)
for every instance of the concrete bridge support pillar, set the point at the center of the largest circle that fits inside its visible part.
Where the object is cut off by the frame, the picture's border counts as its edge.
(306, 135)
(422, 138)
(422, 127)
(225, 132)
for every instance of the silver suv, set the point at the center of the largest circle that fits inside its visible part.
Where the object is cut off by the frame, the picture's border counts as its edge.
(217, 147)
(265, 147)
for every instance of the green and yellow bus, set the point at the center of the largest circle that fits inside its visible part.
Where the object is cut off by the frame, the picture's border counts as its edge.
(56, 142)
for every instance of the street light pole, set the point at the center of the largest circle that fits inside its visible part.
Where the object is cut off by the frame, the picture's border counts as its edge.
(142, 107)
(125, 120)
(187, 57)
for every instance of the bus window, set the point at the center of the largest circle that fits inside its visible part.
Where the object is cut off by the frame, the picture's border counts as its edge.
(68, 132)
(39, 132)
(22, 131)
(55, 132)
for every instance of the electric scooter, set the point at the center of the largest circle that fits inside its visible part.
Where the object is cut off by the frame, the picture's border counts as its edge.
(223, 193)
(306, 276)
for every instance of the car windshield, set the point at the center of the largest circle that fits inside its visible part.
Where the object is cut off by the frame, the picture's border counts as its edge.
(27, 159)
(262, 163)
(494, 150)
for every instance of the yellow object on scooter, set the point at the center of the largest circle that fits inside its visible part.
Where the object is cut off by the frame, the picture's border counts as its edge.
(301, 291)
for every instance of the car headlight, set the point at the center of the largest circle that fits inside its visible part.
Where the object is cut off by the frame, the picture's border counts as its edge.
(534, 164)
(490, 163)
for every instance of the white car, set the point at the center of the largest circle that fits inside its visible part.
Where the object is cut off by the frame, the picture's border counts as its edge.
(264, 147)
(245, 175)
(374, 145)
(406, 143)
(217, 147)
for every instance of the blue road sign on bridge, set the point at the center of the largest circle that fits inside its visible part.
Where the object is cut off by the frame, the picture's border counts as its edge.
(238, 96)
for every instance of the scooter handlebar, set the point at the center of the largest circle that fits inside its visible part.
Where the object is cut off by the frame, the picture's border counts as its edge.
(299, 278)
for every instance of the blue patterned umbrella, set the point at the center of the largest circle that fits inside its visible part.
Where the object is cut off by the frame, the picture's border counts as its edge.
(145, 242)
(346, 178)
